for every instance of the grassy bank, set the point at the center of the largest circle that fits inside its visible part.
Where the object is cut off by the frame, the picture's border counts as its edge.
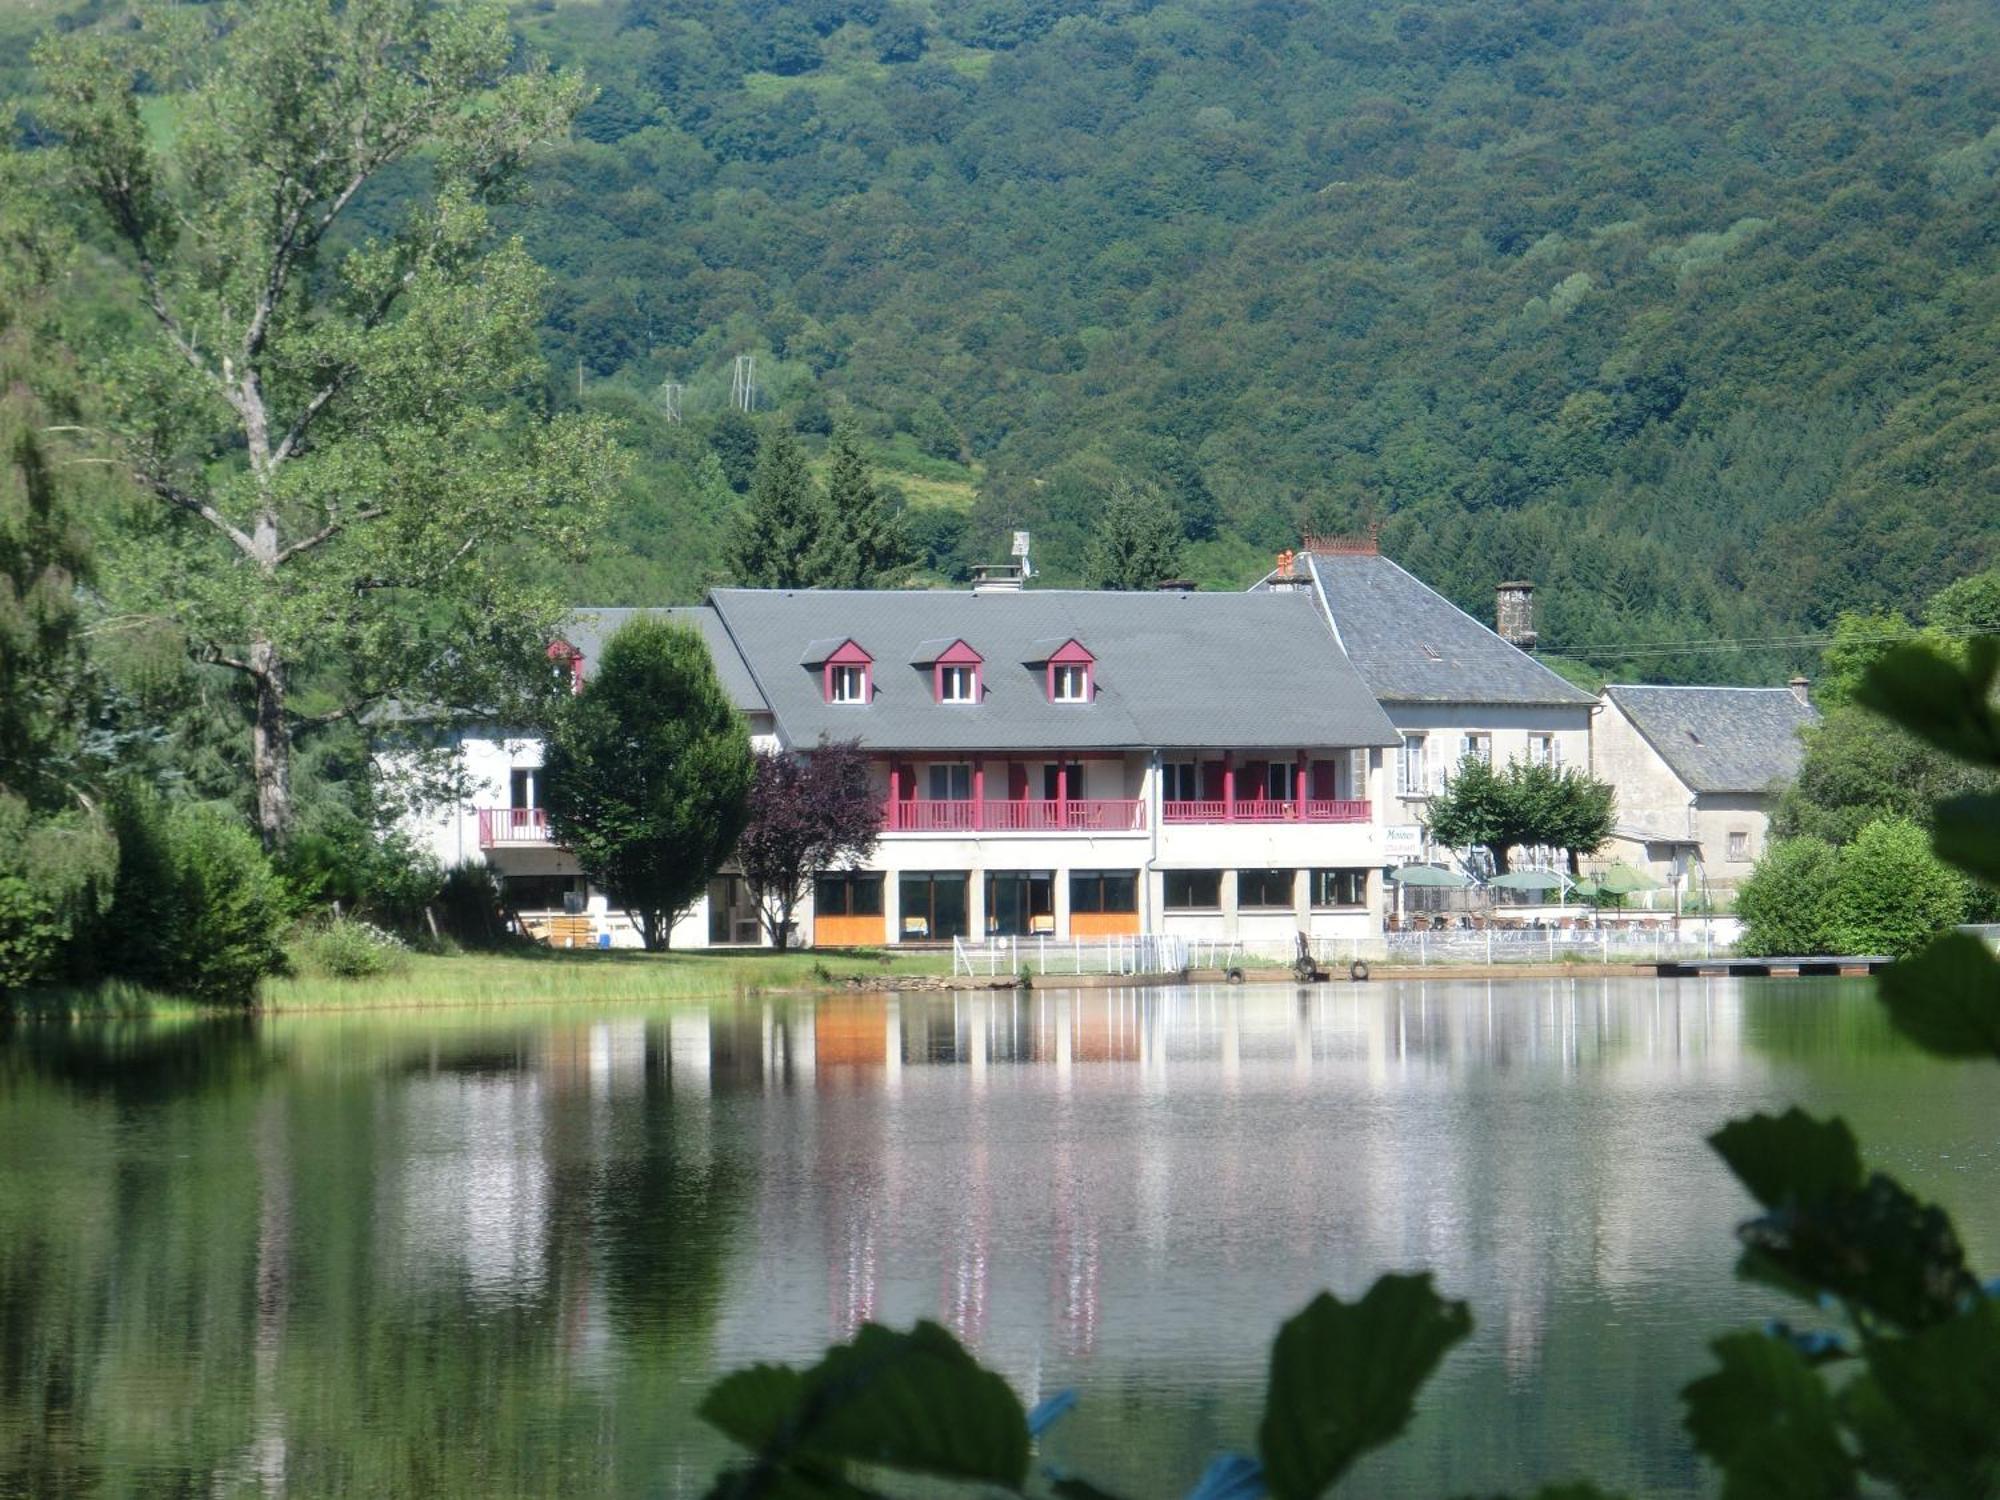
(550, 975)
(528, 976)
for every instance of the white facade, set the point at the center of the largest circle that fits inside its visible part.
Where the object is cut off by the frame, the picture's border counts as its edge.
(1164, 856)
(1438, 736)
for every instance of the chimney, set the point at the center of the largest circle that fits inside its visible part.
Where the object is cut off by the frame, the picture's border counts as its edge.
(1801, 690)
(1514, 614)
(996, 578)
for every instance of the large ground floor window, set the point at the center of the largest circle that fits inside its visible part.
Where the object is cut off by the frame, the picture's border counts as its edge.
(542, 893)
(1264, 890)
(848, 893)
(933, 904)
(1193, 890)
(1095, 891)
(732, 915)
(1339, 888)
(1019, 902)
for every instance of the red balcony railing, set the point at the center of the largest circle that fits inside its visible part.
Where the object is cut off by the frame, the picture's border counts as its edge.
(963, 815)
(1267, 810)
(512, 825)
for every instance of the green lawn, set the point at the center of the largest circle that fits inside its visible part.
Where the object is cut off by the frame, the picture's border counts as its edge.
(550, 975)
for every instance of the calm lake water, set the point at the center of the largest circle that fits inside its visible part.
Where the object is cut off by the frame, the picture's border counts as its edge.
(503, 1253)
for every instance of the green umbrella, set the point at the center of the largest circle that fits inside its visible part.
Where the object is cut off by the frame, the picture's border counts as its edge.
(1622, 880)
(1587, 890)
(1428, 875)
(1528, 880)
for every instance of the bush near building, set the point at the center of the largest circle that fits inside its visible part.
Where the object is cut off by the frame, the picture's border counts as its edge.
(1885, 892)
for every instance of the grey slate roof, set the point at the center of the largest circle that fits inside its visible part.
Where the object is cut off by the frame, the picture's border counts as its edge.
(588, 629)
(1413, 645)
(1720, 739)
(1207, 671)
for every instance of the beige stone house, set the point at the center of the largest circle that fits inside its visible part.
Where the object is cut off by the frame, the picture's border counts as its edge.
(1697, 770)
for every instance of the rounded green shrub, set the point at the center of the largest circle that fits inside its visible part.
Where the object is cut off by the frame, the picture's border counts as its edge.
(1788, 905)
(1895, 894)
(347, 949)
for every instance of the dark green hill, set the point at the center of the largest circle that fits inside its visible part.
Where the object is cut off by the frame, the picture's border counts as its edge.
(1688, 310)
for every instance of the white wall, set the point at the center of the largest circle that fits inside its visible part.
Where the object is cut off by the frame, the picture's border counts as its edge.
(1444, 726)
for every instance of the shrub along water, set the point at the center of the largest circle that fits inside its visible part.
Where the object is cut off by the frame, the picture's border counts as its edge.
(1884, 893)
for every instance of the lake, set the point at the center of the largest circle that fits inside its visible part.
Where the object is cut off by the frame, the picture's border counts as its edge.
(503, 1252)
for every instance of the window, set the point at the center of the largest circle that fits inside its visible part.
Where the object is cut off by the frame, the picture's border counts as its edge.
(958, 685)
(1278, 781)
(1264, 890)
(1020, 903)
(524, 785)
(848, 893)
(933, 904)
(1339, 887)
(1739, 845)
(1104, 890)
(1071, 785)
(951, 783)
(1181, 781)
(1069, 683)
(1410, 766)
(850, 684)
(1544, 750)
(1193, 890)
(1478, 746)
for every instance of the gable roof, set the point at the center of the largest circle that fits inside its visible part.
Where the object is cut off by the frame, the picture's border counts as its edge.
(1719, 739)
(1412, 645)
(588, 629)
(1208, 671)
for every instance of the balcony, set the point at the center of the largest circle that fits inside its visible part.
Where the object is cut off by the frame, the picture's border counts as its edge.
(1293, 810)
(513, 828)
(1071, 815)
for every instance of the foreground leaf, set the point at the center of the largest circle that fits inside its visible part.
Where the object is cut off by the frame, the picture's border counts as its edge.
(1790, 1158)
(1765, 1419)
(1966, 833)
(1344, 1377)
(1928, 1410)
(752, 1406)
(1931, 697)
(1947, 998)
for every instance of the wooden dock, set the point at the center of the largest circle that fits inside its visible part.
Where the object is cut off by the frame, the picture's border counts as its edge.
(1766, 968)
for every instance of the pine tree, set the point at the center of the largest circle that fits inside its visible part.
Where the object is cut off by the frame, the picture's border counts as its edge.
(1138, 543)
(866, 544)
(778, 538)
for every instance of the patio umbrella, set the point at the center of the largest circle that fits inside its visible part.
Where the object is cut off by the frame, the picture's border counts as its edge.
(1528, 880)
(1428, 875)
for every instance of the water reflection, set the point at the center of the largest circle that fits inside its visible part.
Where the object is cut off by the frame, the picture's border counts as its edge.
(481, 1254)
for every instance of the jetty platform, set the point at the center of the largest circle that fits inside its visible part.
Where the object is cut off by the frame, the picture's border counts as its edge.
(1761, 968)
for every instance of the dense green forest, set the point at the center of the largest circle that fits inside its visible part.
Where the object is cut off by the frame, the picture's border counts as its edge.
(1687, 311)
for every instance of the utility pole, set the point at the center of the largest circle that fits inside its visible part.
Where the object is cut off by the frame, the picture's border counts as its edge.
(579, 379)
(670, 399)
(743, 383)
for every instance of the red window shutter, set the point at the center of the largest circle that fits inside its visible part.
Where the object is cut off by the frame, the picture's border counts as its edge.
(1017, 781)
(1211, 780)
(1325, 781)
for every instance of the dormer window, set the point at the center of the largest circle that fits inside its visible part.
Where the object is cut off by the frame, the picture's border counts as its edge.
(955, 669)
(846, 671)
(1071, 669)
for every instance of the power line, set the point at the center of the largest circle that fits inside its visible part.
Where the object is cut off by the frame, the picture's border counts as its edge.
(1767, 642)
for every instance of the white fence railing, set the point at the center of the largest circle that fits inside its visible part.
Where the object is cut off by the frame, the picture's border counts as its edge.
(1158, 953)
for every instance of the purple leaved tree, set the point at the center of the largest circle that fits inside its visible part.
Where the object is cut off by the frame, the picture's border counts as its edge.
(808, 813)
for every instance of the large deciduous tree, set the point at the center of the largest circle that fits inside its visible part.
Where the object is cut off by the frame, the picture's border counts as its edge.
(808, 813)
(352, 489)
(1519, 806)
(648, 769)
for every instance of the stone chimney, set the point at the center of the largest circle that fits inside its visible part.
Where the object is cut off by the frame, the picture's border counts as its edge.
(1514, 614)
(1801, 690)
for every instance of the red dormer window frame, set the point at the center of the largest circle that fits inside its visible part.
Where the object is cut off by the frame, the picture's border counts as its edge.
(1071, 654)
(958, 654)
(848, 654)
(562, 653)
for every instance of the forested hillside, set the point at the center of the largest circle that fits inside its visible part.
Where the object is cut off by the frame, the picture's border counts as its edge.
(1689, 311)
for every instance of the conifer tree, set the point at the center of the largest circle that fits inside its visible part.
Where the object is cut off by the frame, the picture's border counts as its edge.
(778, 537)
(1137, 544)
(866, 544)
